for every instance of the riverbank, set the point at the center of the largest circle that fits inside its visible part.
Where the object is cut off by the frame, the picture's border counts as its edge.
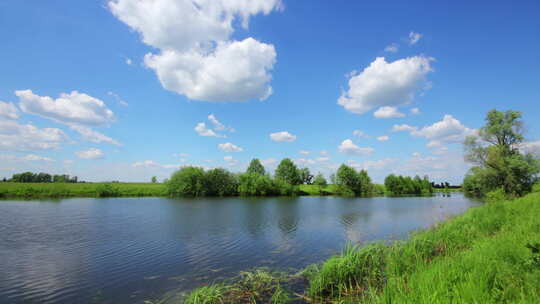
(489, 254)
(68, 190)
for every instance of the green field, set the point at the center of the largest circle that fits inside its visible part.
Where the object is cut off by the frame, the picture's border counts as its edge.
(489, 254)
(58, 190)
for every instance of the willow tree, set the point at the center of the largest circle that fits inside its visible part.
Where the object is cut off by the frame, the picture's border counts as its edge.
(499, 161)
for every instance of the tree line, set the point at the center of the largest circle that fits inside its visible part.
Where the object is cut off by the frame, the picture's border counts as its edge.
(256, 181)
(30, 177)
(400, 185)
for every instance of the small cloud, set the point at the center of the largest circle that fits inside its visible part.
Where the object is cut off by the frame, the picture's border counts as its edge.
(282, 136)
(118, 99)
(91, 153)
(415, 111)
(383, 138)
(348, 147)
(218, 126)
(229, 147)
(392, 48)
(202, 130)
(388, 112)
(414, 37)
(304, 152)
(129, 61)
(359, 133)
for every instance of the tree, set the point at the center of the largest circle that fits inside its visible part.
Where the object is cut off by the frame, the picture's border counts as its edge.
(154, 179)
(351, 182)
(288, 172)
(305, 176)
(220, 182)
(320, 180)
(256, 167)
(498, 161)
(188, 181)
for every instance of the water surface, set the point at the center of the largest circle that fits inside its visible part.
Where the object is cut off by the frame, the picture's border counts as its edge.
(127, 250)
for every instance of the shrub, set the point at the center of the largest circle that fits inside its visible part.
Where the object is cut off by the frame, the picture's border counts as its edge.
(188, 181)
(494, 196)
(220, 182)
(107, 190)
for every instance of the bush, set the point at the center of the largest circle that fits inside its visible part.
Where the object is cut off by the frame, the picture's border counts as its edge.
(220, 182)
(495, 196)
(188, 181)
(107, 190)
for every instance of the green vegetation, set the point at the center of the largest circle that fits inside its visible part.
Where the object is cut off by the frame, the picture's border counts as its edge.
(289, 180)
(399, 185)
(489, 254)
(30, 177)
(59, 190)
(499, 164)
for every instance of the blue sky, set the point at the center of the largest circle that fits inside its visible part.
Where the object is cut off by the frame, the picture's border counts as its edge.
(117, 90)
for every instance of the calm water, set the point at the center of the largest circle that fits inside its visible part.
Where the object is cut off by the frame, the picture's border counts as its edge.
(127, 250)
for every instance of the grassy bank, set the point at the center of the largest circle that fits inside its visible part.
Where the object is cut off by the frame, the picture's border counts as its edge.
(490, 254)
(58, 190)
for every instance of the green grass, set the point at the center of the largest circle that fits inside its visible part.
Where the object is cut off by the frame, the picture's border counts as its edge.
(489, 254)
(59, 190)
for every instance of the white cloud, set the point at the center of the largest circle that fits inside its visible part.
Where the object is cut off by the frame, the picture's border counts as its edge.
(229, 147)
(386, 84)
(202, 130)
(218, 126)
(91, 153)
(383, 138)
(28, 157)
(448, 130)
(359, 133)
(388, 112)
(27, 137)
(414, 37)
(269, 162)
(8, 111)
(322, 159)
(129, 61)
(532, 147)
(403, 127)
(415, 111)
(283, 136)
(93, 136)
(75, 107)
(324, 152)
(304, 152)
(197, 57)
(392, 48)
(348, 147)
(373, 164)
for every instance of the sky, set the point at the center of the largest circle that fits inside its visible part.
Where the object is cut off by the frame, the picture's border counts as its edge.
(130, 89)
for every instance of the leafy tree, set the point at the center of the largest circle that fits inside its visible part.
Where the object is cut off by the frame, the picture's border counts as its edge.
(188, 181)
(154, 179)
(498, 161)
(320, 180)
(288, 172)
(350, 182)
(256, 167)
(399, 185)
(305, 176)
(220, 182)
(254, 184)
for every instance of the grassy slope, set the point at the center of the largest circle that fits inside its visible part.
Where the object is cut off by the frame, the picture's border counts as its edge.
(41, 190)
(486, 255)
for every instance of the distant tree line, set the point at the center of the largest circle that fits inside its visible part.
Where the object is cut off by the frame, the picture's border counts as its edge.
(256, 181)
(404, 185)
(30, 177)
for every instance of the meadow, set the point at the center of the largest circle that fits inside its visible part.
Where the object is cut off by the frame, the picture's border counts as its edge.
(489, 254)
(62, 190)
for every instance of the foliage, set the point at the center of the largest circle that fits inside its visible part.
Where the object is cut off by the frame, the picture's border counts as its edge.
(188, 181)
(220, 182)
(256, 167)
(288, 172)
(353, 183)
(107, 190)
(320, 180)
(29, 177)
(305, 176)
(498, 160)
(399, 185)
(154, 179)
(494, 196)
